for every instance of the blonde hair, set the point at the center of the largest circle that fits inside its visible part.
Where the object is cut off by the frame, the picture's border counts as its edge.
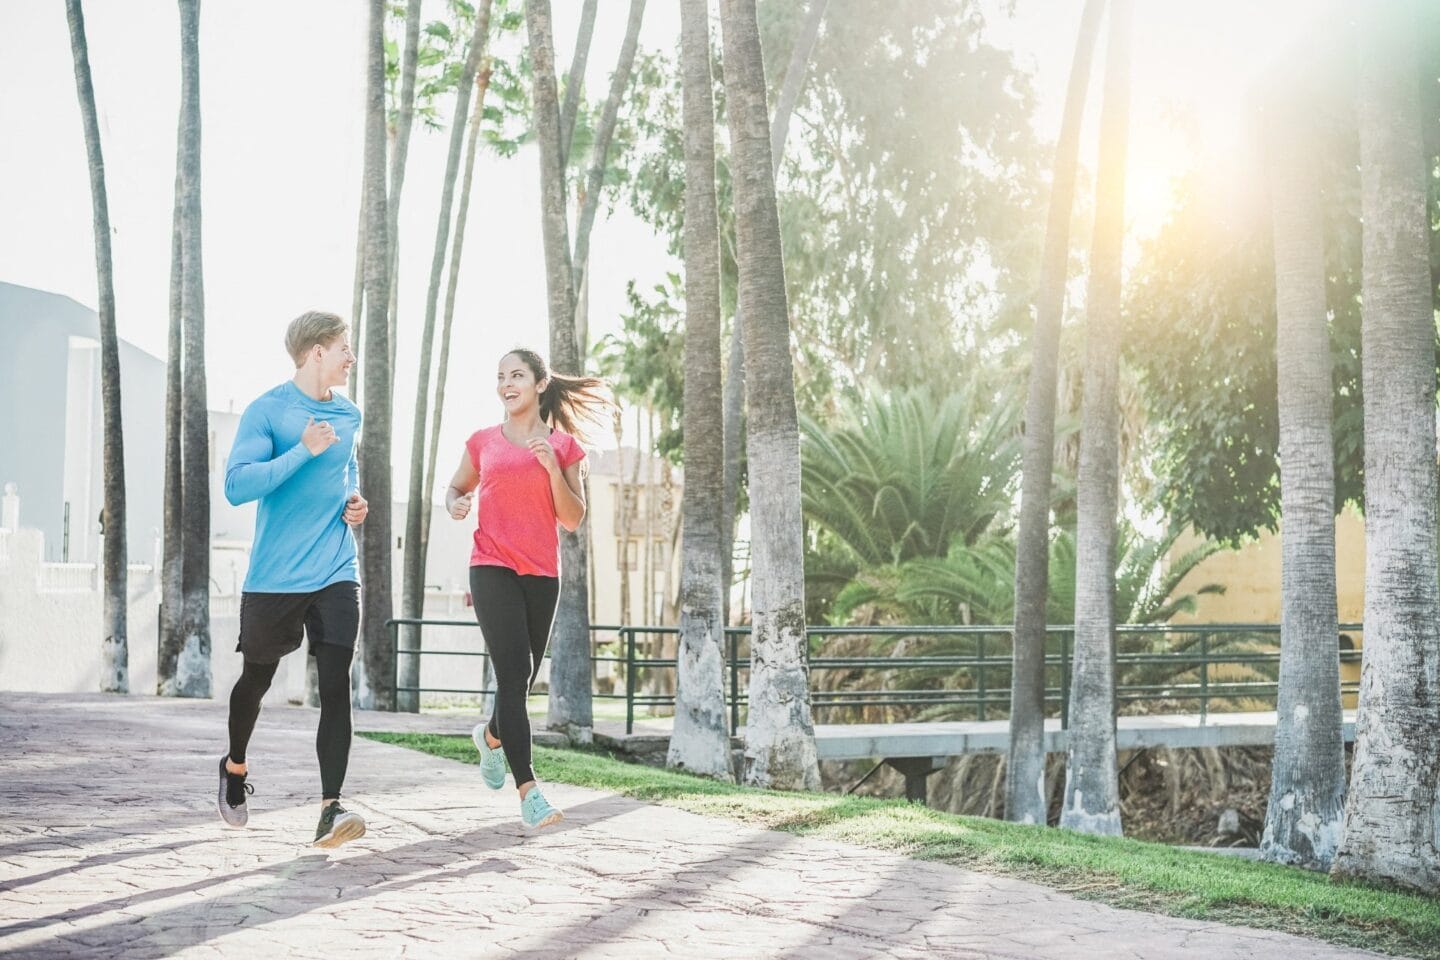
(312, 328)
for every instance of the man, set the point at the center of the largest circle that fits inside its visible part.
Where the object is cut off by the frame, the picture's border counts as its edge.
(295, 453)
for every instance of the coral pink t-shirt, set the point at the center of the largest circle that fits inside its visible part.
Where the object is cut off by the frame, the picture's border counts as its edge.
(515, 507)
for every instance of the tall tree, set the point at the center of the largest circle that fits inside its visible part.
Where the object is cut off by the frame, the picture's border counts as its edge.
(701, 741)
(412, 596)
(378, 646)
(172, 592)
(575, 79)
(192, 665)
(404, 120)
(482, 84)
(571, 708)
(734, 398)
(1392, 814)
(780, 737)
(1092, 788)
(114, 648)
(600, 149)
(1307, 785)
(1025, 795)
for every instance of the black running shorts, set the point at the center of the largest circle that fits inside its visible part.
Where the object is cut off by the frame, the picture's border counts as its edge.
(272, 624)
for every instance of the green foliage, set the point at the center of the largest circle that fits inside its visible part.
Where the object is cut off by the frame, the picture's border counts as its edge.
(1200, 329)
(976, 583)
(439, 63)
(904, 474)
(644, 362)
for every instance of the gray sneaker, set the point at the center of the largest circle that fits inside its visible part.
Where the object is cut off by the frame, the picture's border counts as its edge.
(231, 798)
(338, 825)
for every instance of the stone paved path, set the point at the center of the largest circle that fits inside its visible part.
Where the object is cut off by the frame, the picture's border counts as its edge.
(110, 847)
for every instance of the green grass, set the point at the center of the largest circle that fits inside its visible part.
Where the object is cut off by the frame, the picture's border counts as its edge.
(1121, 872)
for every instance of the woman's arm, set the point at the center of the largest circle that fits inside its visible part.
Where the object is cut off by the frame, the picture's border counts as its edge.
(566, 487)
(461, 492)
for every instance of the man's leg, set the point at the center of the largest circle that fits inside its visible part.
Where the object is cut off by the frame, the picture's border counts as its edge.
(245, 700)
(332, 736)
(333, 623)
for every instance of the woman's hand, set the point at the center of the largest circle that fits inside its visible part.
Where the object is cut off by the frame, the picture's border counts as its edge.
(545, 454)
(460, 508)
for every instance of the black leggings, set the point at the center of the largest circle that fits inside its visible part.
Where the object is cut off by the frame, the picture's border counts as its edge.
(332, 737)
(515, 613)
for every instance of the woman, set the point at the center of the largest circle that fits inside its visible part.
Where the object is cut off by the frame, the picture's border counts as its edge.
(528, 471)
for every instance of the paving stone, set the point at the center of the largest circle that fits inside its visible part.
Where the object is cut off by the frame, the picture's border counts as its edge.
(110, 847)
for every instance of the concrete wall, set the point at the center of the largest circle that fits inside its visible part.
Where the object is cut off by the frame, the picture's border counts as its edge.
(51, 425)
(50, 627)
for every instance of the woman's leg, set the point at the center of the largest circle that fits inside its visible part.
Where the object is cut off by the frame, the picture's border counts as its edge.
(500, 607)
(541, 595)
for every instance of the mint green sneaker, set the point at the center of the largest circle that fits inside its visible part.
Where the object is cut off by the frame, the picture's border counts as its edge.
(536, 812)
(492, 760)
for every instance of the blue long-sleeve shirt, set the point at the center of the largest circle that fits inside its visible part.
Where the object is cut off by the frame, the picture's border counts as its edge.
(302, 543)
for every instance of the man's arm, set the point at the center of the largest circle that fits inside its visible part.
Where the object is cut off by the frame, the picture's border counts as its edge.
(253, 470)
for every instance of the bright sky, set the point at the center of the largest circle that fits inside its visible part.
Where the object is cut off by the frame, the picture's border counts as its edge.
(282, 135)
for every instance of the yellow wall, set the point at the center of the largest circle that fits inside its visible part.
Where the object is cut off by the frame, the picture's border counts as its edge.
(1251, 577)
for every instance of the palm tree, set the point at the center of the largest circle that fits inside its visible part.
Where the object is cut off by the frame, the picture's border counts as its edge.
(378, 649)
(700, 741)
(780, 739)
(571, 708)
(482, 84)
(403, 121)
(1392, 814)
(1092, 790)
(114, 649)
(575, 79)
(192, 667)
(734, 401)
(1025, 795)
(1307, 785)
(600, 150)
(412, 596)
(172, 595)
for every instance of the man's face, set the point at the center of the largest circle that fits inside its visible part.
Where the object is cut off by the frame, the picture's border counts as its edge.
(333, 361)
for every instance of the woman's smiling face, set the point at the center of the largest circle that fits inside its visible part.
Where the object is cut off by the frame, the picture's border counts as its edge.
(515, 384)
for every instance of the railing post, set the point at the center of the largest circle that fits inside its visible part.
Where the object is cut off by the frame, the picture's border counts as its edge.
(629, 634)
(734, 684)
(1204, 675)
(1064, 679)
(394, 629)
(980, 678)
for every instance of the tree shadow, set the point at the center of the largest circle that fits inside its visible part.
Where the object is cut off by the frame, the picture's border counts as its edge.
(98, 860)
(190, 924)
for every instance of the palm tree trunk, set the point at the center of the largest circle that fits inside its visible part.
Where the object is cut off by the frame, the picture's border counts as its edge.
(600, 152)
(1392, 815)
(575, 79)
(357, 301)
(1307, 785)
(621, 498)
(733, 412)
(700, 741)
(1092, 789)
(570, 702)
(412, 593)
(172, 592)
(192, 667)
(780, 736)
(482, 84)
(114, 648)
(403, 123)
(376, 689)
(1025, 763)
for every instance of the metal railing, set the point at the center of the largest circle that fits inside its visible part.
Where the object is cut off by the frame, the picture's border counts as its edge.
(953, 672)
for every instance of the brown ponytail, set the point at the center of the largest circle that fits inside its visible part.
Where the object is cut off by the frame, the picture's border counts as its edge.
(569, 403)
